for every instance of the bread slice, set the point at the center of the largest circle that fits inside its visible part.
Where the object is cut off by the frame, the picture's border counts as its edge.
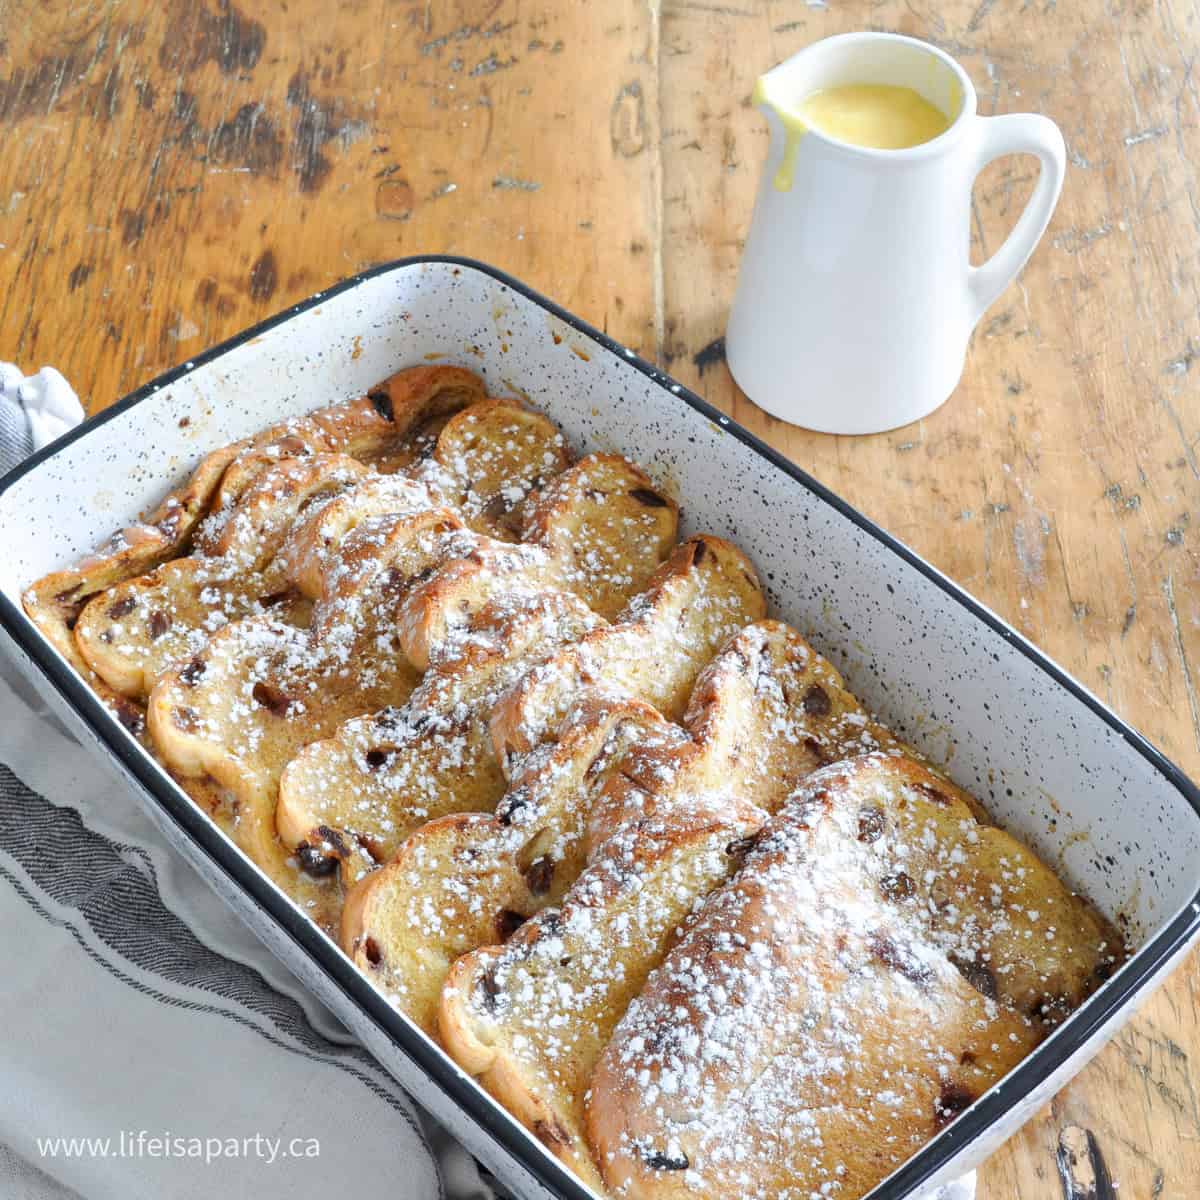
(469, 880)
(55, 601)
(259, 690)
(379, 778)
(698, 598)
(822, 993)
(315, 539)
(352, 798)
(614, 760)
(489, 458)
(130, 633)
(600, 529)
(530, 1018)
(360, 428)
(606, 527)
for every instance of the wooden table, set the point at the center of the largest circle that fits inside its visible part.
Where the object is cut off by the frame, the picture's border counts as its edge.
(173, 170)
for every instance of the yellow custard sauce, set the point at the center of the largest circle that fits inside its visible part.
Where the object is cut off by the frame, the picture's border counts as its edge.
(878, 115)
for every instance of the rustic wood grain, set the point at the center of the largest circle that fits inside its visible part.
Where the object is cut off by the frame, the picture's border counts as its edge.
(172, 171)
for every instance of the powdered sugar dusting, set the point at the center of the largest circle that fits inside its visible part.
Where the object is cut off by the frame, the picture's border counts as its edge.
(822, 1016)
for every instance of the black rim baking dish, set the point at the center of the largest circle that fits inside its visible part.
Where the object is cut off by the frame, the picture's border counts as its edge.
(1108, 1000)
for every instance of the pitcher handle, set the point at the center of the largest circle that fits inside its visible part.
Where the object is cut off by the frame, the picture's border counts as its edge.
(1017, 133)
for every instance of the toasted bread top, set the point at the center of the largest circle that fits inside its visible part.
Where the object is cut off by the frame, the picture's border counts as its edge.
(865, 968)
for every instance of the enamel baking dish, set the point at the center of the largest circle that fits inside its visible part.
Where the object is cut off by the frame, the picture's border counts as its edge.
(1050, 762)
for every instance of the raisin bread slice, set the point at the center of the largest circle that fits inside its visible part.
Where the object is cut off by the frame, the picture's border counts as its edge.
(469, 880)
(130, 633)
(489, 458)
(830, 988)
(376, 780)
(600, 529)
(353, 798)
(704, 593)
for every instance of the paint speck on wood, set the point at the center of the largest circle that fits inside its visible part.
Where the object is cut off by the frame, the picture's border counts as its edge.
(197, 35)
(710, 356)
(627, 121)
(264, 277)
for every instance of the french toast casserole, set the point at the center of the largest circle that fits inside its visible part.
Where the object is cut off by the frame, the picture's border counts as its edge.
(629, 850)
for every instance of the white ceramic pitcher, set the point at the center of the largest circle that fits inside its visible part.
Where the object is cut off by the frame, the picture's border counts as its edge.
(856, 295)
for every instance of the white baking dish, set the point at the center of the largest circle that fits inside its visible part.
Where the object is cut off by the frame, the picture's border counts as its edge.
(1051, 763)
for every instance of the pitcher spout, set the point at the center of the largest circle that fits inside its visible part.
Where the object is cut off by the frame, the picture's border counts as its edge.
(772, 98)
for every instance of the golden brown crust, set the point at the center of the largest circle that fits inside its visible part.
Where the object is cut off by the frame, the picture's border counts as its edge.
(490, 457)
